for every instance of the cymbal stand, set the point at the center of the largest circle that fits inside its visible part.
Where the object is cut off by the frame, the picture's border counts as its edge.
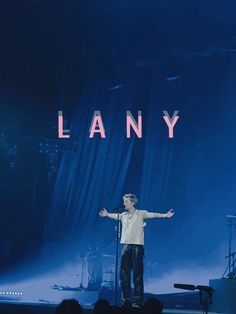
(117, 258)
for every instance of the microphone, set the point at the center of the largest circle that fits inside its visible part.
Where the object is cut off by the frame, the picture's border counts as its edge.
(184, 286)
(119, 207)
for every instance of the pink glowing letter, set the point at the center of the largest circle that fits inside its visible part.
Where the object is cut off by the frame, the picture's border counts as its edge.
(137, 127)
(97, 122)
(170, 122)
(60, 127)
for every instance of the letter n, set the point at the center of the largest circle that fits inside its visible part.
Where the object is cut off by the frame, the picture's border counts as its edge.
(130, 122)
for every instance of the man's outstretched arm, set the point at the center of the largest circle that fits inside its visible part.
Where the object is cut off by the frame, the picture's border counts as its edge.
(150, 215)
(104, 213)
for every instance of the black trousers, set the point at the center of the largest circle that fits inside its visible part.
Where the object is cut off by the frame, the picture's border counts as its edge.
(132, 260)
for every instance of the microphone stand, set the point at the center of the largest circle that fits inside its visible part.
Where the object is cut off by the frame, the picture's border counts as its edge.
(117, 229)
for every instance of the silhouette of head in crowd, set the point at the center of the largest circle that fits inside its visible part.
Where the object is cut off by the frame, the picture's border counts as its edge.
(152, 306)
(102, 306)
(70, 306)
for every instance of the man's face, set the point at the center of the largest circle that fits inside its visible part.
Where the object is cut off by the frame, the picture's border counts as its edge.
(128, 203)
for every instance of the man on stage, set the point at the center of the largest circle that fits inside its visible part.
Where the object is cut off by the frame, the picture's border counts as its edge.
(132, 238)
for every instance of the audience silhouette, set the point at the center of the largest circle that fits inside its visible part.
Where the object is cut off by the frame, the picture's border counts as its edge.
(102, 306)
(70, 306)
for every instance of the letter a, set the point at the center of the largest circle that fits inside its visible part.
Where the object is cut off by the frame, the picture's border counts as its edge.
(97, 122)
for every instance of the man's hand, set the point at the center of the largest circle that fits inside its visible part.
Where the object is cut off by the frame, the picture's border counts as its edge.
(103, 213)
(170, 213)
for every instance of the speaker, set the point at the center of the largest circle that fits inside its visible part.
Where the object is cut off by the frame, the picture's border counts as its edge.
(223, 300)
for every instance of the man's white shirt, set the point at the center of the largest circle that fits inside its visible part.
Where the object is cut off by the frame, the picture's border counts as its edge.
(133, 226)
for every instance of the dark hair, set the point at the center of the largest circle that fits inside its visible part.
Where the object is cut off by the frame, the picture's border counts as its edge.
(153, 306)
(70, 306)
(102, 306)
